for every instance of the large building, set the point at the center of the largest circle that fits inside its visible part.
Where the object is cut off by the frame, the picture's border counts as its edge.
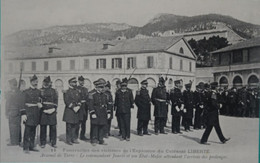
(146, 58)
(238, 64)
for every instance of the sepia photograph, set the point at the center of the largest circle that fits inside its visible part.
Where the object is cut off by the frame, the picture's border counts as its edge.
(144, 81)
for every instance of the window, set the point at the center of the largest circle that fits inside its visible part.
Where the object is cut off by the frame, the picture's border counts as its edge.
(131, 62)
(170, 63)
(10, 67)
(190, 67)
(58, 65)
(181, 65)
(181, 50)
(22, 65)
(116, 63)
(33, 66)
(86, 64)
(237, 56)
(46, 65)
(101, 63)
(72, 64)
(150, 62)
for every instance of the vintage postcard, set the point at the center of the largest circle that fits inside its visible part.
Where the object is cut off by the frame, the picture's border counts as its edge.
(101, 81)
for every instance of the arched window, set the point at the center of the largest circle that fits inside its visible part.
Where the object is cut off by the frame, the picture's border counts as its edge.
(58, 85)
(181, 50)
(223, 81)
(133, 84)
(237, 81)
(253, 80)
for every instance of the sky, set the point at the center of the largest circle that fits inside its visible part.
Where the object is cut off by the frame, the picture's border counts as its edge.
(19, 15)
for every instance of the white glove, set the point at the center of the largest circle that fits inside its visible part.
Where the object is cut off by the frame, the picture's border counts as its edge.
(108, 115)
(177, 108)
(76, 109)
(220, 105)
(184, 110)
(182, 106)
(24, 118)
(94, 116)
(39, 105)
(49, 111)
(201, 106)
(242, 103)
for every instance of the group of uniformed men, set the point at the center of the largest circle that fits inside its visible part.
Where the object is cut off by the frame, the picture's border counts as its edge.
(39, 106)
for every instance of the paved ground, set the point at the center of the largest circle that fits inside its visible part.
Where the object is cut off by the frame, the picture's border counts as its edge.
(242, 148)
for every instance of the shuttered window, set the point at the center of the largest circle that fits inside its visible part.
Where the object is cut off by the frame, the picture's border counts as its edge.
(72, 64)
(101, 64)
(46, 65)
(58, 65)
(131, 62)
(33, 66)
(170, 63)
(181, 65)
(116, 63)
(150, 62)
(86, 64)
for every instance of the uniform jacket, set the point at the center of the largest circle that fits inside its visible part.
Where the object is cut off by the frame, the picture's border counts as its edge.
(83, 112)
(71, 99)
(124, 101)
(32, 96)
(212, 117)
(176, 98)
(188, 103)
(232, 98)
(98, 105)
(199, 100)
(49, 98)
(242, 98)
(160, 99)
(110, 103)
(14, 103)
(143, 103)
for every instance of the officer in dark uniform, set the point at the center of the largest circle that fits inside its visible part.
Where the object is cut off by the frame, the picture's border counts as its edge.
(99, 113)
(224, 95)
(109, 107)
(188, 107)
(252, 99)
(72, 100)
(232, 101)
(242, 102)
(14, 107)
(207, 94)
(176, 98)
(199, 100)
(143, 103)
(160, 100)
(83, 111)
(124, 101)
(49, 98)
(213, 116)
(118, 86)
(31, 116)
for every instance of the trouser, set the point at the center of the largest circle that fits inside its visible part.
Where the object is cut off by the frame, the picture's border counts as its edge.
(15, 130)
(118, 123)
(97, 133)
(82, 126)
(242, 111)
(208, 130)
(159, 124)
(252, 112)
(29, 137)
(197, 119)
(71, 132)
(142, 126)
(53, 134)
(176, 122)
(187, 123)
(125, 120)
(108, 126)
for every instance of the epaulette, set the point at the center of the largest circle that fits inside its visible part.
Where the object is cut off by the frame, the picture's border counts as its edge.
(138, 92)
(91, 94)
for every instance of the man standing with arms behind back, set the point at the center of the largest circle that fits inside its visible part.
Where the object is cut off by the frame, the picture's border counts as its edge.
(124, 101)
(160, 99)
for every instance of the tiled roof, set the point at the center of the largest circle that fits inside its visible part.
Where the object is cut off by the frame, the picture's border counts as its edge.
(241, 45)
(154, 44)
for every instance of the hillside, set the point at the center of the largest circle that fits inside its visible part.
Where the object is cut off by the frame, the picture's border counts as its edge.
(110, 31)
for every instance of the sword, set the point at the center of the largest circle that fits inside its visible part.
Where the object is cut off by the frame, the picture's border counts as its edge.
(20, 79)
(131, 74)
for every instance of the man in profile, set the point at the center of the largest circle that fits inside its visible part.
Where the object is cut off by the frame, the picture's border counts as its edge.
(213, 116)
